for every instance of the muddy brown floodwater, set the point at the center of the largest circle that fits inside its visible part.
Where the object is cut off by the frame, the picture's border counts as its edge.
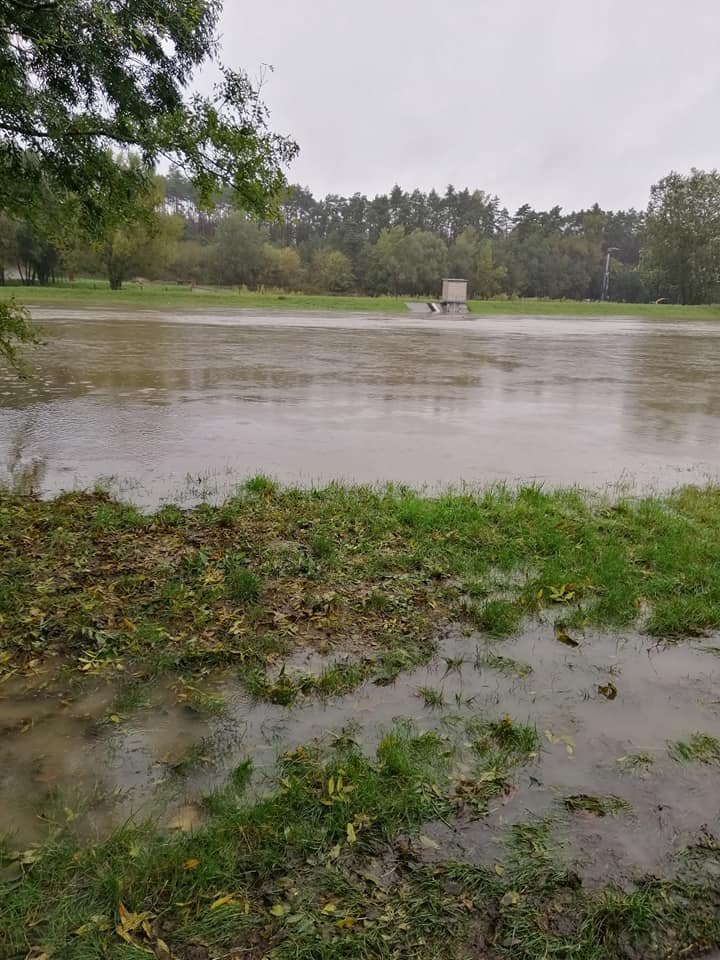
(65, 755)
(183, 406)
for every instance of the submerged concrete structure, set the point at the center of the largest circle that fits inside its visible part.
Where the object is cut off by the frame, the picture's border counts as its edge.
(454, 295)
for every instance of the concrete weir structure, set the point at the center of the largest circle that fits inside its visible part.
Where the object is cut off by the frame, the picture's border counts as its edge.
(453, 299)
(454, 295)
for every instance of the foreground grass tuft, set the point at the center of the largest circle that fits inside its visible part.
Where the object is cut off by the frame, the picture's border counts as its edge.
(702, 747)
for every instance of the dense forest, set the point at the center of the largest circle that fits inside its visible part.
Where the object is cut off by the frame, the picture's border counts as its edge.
(400, 243)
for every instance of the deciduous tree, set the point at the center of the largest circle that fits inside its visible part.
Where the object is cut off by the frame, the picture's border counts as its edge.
(681, 245)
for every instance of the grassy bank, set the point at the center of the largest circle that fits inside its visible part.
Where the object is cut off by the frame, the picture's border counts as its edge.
(168, 296)
(364, 572)
(341, 855)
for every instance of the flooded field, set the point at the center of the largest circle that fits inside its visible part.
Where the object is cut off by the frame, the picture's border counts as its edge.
(69, 753)
(182, 406)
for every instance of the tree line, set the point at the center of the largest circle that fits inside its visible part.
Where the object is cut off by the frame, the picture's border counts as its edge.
(399, 243)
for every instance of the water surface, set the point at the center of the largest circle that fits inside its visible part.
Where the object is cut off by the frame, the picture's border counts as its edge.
(185, 405)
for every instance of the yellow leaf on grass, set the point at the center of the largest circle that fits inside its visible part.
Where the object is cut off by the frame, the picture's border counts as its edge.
(499, 870)
(511, 899)
(351, 835)
(278, 910)
(329, 908)
(162, 950)
(28, 857)
(347, 923)
(192, 864)
(130, 922)
(221, 901)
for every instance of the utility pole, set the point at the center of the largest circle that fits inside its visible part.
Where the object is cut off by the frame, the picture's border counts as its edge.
(606, 277)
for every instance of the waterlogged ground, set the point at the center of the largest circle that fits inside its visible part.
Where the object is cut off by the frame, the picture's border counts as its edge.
(597, 832)
(68, 753)
(350, 723)
(185, 405)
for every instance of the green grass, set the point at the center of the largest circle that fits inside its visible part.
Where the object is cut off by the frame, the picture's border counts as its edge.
(328, 865)
(702, 747)
(94, 293)
(241, 584)
(335, 680)
(366, 573)
(636, 763)
(496, 618)
(197, 755)
(582, 308)
(431, 697)
(506, 665)
(163, 296)
(596, 805)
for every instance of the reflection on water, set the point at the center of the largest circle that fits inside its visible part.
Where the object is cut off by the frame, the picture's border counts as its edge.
(156, 397)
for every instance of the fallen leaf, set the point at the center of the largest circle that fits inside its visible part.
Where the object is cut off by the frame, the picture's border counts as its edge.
(192, 864)
(278, 910)
(329, 908)
(346, 924)
(565, 638)
(428, 843)
(499, 870)
(351, 835)
(30, 856)
(608, 690)
(563, 594)
(511, 899)
(162, 950)
(97, 921)
(130, 922)
(221, 901)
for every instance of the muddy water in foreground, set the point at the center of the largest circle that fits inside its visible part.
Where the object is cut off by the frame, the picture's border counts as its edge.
(62, 756)
(183, 406)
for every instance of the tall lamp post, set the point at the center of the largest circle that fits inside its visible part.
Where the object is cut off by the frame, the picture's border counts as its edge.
(606, 277)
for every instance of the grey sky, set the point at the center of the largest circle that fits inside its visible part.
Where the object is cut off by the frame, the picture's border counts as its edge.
(544, 101)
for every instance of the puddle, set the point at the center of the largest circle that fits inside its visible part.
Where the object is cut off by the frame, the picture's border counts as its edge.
(61, 756)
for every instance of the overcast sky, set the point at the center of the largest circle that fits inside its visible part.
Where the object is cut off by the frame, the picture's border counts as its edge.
(541, 101)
